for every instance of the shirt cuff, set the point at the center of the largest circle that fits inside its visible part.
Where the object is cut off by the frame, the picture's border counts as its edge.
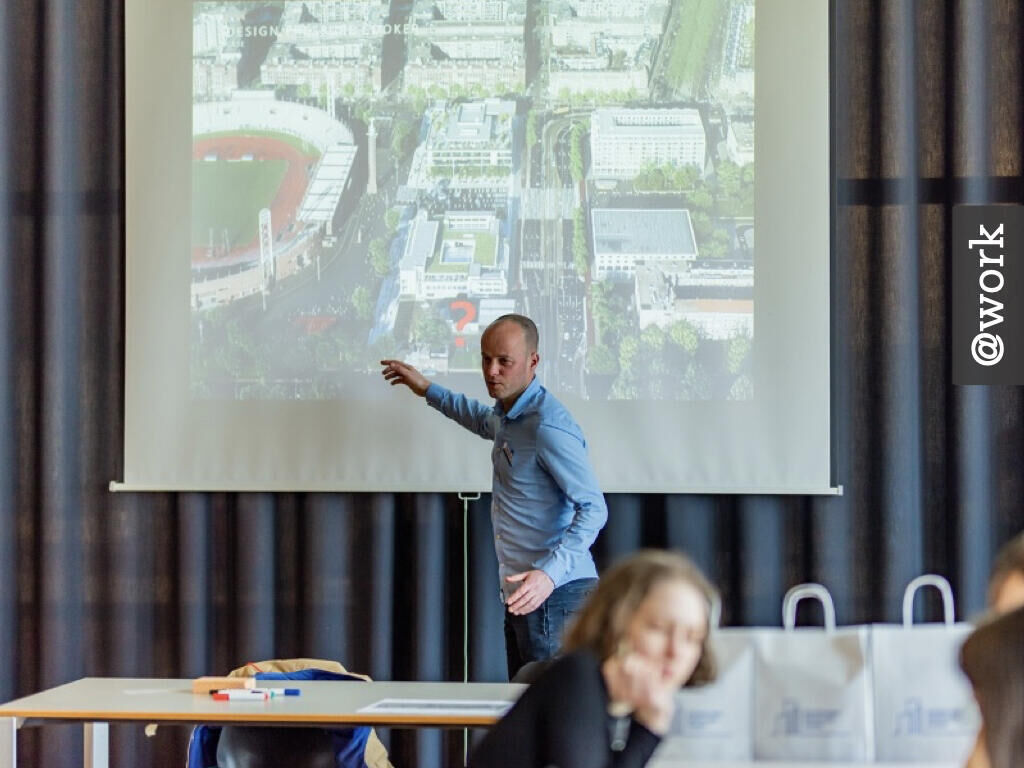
(645, 739)
(554, 571)
(434, 394)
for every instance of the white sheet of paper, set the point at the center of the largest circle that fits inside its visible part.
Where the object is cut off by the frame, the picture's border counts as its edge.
(439, 707)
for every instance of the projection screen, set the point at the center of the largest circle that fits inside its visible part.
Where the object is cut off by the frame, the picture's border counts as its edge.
(315, 185)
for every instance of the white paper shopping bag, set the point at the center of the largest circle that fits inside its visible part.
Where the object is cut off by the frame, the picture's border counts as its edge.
(924, 709)
(812, 688)
(715, 721)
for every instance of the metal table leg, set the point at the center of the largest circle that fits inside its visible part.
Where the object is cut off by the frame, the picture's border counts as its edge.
(8, 742)
(97, 745)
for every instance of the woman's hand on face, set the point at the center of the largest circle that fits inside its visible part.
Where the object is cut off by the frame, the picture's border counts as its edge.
(635, 684)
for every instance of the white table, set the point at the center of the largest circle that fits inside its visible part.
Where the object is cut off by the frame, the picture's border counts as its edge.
(656, 763)
(95, 702)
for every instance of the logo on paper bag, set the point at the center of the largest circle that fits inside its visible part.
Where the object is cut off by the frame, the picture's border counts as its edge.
(915, 719)
(703, 723)
(794, 720)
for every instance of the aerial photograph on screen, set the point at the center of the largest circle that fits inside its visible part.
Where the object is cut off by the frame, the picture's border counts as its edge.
(383, 178)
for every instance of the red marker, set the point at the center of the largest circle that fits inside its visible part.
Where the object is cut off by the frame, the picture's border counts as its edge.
(241, 694)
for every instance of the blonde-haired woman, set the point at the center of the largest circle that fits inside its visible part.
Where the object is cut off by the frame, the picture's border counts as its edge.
(641, 635)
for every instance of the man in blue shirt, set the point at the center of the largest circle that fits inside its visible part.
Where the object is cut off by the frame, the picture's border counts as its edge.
(546, 506)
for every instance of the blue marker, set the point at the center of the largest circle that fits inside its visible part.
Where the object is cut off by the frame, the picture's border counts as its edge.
(280, 691)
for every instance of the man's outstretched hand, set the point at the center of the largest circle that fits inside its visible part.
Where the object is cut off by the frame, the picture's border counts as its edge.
(397, 372)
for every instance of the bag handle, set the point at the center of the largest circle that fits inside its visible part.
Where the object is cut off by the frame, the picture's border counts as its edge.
(928, 580)
(815, 592)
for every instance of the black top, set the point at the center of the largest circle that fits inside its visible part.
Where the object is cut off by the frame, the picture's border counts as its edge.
(562, 721)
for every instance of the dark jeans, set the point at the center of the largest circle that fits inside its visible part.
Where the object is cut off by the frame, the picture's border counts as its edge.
(538, 635)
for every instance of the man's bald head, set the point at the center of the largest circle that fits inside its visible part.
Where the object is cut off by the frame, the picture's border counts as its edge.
(530, 334)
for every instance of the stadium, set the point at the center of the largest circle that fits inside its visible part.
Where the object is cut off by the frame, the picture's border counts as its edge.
(267, 179)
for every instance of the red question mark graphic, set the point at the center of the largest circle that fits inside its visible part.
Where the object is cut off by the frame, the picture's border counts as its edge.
(469, 315)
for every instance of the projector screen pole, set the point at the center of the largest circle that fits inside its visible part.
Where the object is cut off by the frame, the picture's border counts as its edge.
(466, 498)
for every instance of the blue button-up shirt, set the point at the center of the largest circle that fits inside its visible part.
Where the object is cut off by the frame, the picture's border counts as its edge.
(546, 506)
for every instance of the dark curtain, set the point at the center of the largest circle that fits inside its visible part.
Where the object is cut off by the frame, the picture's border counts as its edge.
(926, 114)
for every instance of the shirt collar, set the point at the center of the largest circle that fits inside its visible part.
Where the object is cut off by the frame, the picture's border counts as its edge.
(522, 402)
